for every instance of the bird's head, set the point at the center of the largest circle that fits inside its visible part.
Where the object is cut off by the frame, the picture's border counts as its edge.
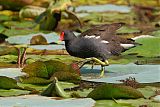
(66, 35)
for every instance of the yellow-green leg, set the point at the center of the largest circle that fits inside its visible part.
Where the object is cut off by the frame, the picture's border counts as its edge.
(102, 71)
(103, 64)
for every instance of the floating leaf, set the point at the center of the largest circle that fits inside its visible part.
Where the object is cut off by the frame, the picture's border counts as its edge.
(50, 91)
(55, 66)
(36, 69)
(8, 83)
(156, 33)
(55, 89)
(34, 80)
(126, 29)
(13, 92)
(38, 40)
(110, 91)
(66, 76)
(149, 48)
(58, 66)
(111, 103)
(31, 11)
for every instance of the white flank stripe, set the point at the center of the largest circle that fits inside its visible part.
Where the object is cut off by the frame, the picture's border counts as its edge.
(104, 41)
(143, 36)
(127, 46)
(92, 36)
(97, 37)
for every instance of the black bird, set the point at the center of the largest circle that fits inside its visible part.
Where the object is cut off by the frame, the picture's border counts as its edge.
(89, 48)
(96, 44)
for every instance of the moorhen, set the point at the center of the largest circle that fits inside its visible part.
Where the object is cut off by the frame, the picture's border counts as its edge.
(96, 44)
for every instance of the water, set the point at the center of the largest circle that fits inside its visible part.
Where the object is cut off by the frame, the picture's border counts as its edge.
(102, 8)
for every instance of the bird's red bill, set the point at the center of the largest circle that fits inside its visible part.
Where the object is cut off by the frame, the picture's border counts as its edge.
(62, 36)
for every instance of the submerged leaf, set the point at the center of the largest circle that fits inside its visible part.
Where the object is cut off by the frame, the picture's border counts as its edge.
(110, 91)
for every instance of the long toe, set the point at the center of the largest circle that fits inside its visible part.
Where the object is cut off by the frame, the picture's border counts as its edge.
(102, 71)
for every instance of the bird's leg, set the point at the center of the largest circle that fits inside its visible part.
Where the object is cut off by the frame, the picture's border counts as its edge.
(103, 64)
(93, 65)
(83, 62)
(102, 71)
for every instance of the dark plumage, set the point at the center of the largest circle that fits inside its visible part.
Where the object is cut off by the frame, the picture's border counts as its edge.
(107, 32)
(85, 47)
(97, 43)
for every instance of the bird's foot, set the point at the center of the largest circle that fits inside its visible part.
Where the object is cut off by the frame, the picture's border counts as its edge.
(102, 71)
(103, 64)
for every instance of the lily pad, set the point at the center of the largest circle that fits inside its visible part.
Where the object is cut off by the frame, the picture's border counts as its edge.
(156, 33)
(126, 29)
(8, 58)
(110, 91)
(13, 92)
(36, 69)
(111, 103)
(34, 80)
(149, 48)
(126, 103)
(8, 83)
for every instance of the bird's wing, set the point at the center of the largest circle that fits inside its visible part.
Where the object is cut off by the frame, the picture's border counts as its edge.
(106, 31)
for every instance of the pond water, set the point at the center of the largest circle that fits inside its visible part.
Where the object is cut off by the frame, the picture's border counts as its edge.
(41, 101)
(113, 73)
(102, 8)
(116, 72)
(25, 39)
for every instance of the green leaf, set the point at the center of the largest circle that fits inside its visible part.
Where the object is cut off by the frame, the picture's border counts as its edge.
(36, 69)
(31, 11)
(110, 91)
(111, 103)
(66, 76)
(126, 29)
(150, 47)
(156, 33)
(55, 66)
(12, 92)
(8, 83)
(34, 80)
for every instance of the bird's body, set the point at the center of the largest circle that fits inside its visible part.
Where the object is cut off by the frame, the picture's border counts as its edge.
(87, 47)
(97, 43)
